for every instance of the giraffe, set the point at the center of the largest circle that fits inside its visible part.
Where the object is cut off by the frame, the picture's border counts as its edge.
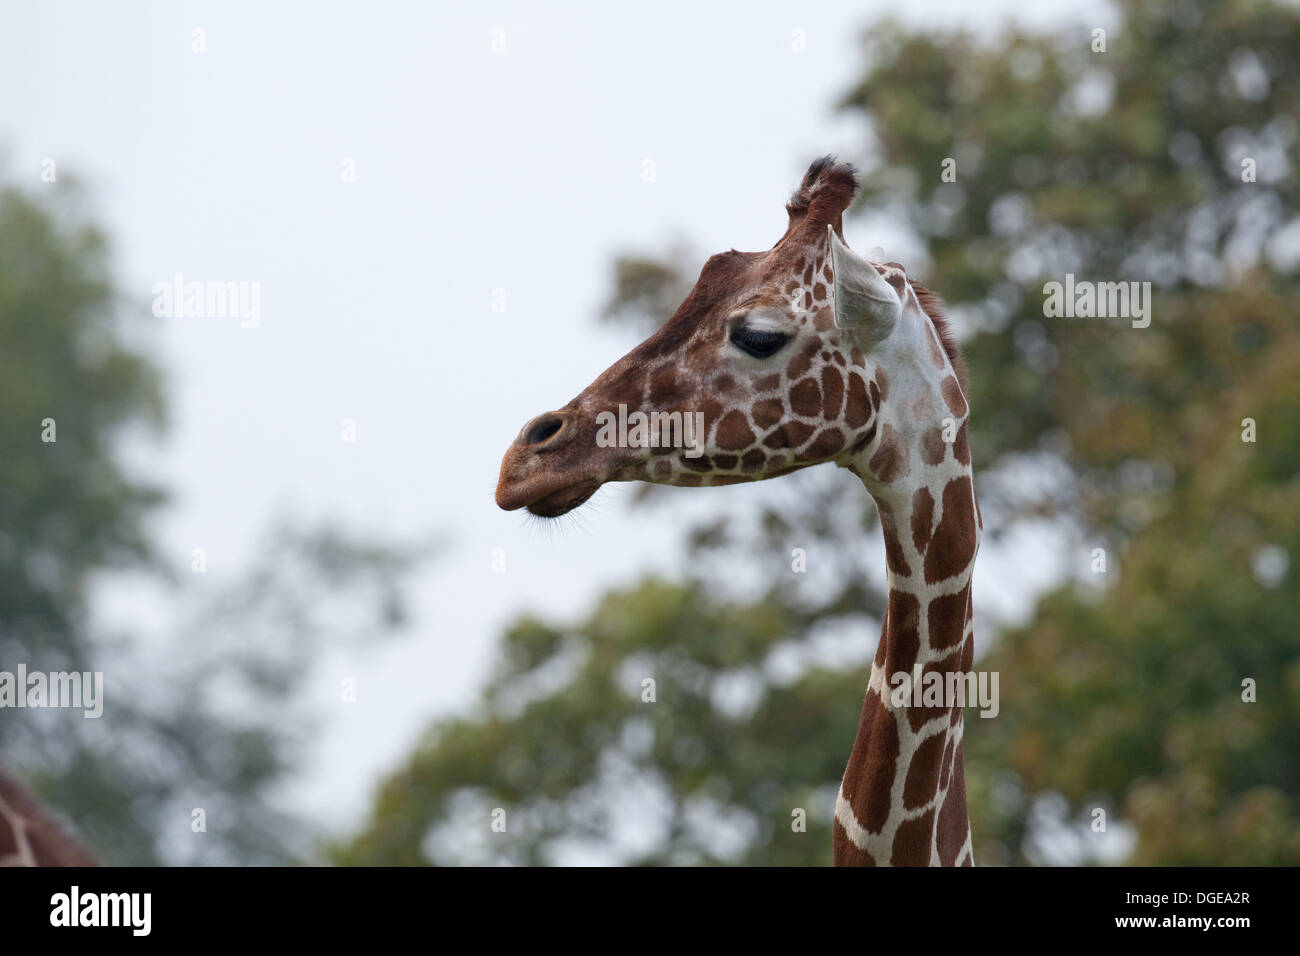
(804, 354)
(29, 835)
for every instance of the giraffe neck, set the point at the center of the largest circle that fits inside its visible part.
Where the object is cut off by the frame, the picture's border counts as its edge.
(903, 796)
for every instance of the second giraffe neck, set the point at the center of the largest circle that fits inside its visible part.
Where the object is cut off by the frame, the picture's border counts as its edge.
(903, 797)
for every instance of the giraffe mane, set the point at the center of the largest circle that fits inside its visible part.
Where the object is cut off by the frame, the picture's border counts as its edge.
(933, 307)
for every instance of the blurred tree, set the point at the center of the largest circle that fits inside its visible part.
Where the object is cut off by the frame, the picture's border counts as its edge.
(710, 762)
(211, 721)
(69, 386)
(1164, 152)
(648, 288)
(1170, 157)
(1131, 695)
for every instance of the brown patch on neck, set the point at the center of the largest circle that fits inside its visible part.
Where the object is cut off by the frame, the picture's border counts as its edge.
(952, 394)
(948, 614)
(894, 557)
(952, 548)
(869, 777)
(900, 638)
(954, 821)
(933, 447)
(923, 772)
(844, 852)
(912, 841)
(889, 463)
(922, 518)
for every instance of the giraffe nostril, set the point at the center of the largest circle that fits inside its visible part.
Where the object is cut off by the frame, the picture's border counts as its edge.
(542, 429)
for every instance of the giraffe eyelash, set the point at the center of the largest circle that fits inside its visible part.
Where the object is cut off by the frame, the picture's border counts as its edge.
(757, 342)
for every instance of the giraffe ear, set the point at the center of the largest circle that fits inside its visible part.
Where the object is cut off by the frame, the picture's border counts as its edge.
(863, 299)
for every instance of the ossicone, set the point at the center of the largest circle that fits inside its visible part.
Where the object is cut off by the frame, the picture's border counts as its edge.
(828, 188)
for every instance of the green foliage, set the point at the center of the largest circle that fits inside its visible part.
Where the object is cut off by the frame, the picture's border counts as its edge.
(171, 737)
(1124, 690)
(67, 506)
(568, 744)
(646, 290)
(1133, 697)
(1053, 175)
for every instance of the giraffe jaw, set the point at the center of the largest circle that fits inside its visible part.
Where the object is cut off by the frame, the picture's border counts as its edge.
(565, 500)
(544, 496)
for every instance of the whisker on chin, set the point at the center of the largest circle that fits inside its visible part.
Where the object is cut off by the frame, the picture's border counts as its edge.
(559, 525)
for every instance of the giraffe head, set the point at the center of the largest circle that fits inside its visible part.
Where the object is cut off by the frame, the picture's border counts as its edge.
(777, 360)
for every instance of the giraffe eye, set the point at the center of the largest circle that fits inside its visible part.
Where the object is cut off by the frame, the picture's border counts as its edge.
(758, 343)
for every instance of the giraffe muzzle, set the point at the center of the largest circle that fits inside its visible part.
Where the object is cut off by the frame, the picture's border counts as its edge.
(546, 471)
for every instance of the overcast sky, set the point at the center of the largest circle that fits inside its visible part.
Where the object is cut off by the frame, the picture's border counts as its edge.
(475, 171)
